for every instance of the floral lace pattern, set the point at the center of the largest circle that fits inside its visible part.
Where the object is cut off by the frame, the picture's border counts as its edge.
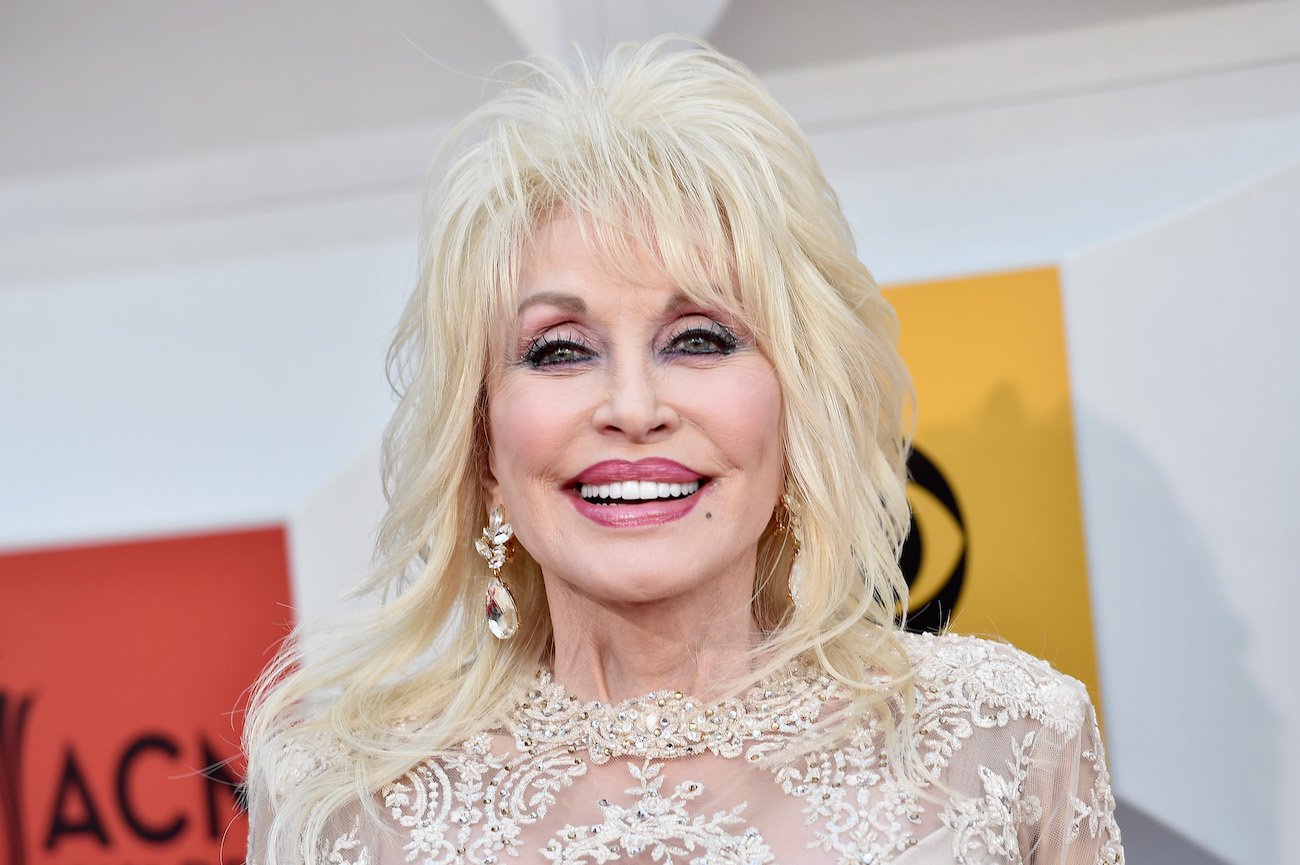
(1095, 817)
(1011, 771)
(661, 825)
(989, 824)
(859, 807)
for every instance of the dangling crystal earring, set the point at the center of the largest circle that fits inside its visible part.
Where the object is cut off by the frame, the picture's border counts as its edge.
(499, 603)
(787, 520)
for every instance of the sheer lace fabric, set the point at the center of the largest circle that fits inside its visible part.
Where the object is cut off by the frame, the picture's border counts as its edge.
(665, 779)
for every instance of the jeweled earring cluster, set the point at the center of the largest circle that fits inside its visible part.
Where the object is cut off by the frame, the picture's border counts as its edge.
(499, 603)
(787, 520)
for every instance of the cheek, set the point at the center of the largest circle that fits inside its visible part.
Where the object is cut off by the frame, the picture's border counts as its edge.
(745, 413)
(527, 430)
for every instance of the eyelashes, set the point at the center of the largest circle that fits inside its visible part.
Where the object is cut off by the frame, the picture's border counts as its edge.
(712, 338)
(566, 347)
(558, 350)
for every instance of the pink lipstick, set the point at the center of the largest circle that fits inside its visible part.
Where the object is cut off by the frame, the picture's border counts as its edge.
(620, 493)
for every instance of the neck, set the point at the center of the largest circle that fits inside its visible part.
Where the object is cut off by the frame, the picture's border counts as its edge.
(614, 651)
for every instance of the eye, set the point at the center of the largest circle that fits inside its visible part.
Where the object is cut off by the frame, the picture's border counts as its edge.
(557, 351)
(711, 338)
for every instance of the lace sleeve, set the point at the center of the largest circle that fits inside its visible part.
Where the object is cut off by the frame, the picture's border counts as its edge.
(258, 819)
(349, 837)
(1070, 779)
(1020, 755)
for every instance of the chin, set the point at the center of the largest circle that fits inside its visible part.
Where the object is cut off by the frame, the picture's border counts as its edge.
(622, 586)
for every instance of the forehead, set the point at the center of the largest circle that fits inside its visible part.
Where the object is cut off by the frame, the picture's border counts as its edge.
(563, 264)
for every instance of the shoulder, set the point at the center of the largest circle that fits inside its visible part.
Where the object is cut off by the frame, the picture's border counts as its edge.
(995, 682)
(294, 756)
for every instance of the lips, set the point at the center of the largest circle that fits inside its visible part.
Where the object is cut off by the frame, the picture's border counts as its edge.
(619, 493)
(653, 469)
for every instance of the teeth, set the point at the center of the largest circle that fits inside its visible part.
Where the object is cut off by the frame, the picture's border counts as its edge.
(643, 491)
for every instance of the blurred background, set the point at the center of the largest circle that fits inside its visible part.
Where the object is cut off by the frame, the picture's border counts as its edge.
(208, 218)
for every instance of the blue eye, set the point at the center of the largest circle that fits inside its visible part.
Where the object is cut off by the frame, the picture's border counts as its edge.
(544, 351)
(712, 339)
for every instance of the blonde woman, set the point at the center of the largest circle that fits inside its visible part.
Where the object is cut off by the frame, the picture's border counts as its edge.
(646, 500)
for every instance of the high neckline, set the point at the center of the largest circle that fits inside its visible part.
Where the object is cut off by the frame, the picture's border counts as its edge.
(668, 723)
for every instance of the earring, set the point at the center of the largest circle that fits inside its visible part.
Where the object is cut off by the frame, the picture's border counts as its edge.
(499, 603)
(788, 521)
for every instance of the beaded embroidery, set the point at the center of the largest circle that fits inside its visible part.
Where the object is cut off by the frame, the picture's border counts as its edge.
(669, 724)
(511, 793)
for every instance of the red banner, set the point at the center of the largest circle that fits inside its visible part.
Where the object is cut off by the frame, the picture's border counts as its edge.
(121, 670)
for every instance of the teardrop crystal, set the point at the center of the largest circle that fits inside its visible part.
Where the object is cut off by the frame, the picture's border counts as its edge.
(796, 580)
(502, 614)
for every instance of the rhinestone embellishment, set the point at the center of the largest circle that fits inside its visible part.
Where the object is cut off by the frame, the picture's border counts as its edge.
(670, 723)
(498, 603)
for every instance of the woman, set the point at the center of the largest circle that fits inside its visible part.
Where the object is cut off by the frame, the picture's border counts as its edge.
(643, 352)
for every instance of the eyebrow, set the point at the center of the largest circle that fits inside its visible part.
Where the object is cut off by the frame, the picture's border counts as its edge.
(569, 303)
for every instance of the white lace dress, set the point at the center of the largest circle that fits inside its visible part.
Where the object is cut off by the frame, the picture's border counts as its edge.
(665, 779)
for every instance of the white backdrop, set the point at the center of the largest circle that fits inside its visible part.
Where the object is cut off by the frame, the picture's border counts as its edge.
(1186, 381)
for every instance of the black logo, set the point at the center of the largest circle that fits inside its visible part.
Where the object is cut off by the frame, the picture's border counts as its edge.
(934, 612)
(76, 812)
(13, 726)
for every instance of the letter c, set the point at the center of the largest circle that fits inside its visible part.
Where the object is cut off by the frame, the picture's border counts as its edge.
(155, 833)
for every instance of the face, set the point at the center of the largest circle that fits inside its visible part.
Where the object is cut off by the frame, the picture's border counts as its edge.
(634, 436)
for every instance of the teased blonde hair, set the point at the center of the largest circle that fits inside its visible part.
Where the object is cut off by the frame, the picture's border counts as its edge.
(669, 148)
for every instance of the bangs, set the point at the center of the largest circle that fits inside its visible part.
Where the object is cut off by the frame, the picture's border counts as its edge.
(655, 177)
(631, 227)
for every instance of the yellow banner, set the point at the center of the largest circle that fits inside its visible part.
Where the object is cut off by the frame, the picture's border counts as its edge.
(998, 531)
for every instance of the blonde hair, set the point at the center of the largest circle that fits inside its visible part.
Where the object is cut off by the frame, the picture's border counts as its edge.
(669, 148)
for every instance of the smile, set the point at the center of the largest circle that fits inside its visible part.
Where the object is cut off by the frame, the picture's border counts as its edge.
(634, 492)
(623, 494)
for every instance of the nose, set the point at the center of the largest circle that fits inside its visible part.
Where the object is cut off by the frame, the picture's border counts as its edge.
(633, 405)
